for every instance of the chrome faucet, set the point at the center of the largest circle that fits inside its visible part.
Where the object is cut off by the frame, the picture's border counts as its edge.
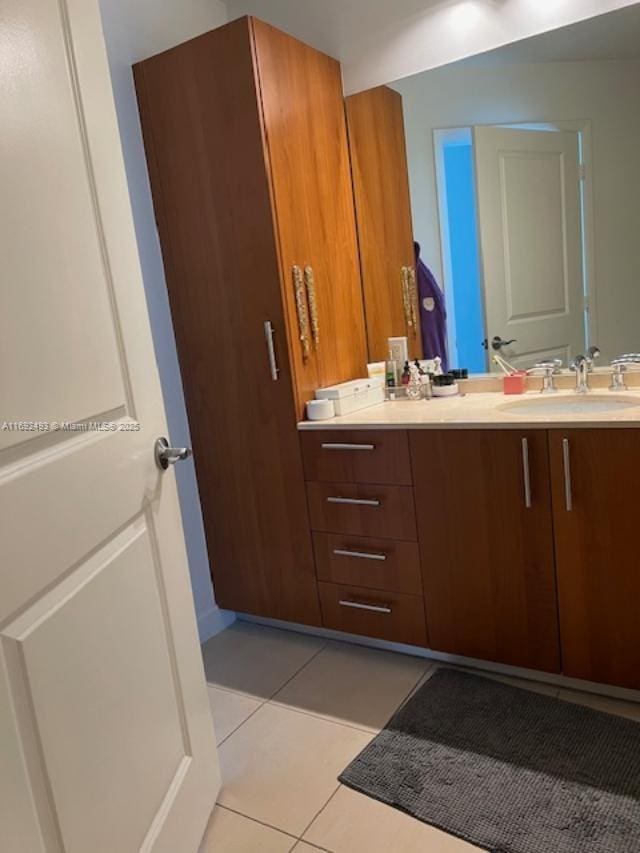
(630, 361)
(547, 369)
(581, 366)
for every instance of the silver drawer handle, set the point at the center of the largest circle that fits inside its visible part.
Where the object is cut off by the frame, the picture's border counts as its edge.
(359, 555)
(353, 501)
(348, 447)
(355, 605)
(568, 488)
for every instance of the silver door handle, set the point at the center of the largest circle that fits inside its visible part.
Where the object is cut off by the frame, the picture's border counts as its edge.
(355, 605)
(354, 501)
(348, 446)
(568, 489)
(359, 555)
(166, 455)
(271, 351)
(526, 473)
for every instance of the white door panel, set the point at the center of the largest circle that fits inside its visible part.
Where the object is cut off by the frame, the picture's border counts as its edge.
(530, 229)
(107, 739)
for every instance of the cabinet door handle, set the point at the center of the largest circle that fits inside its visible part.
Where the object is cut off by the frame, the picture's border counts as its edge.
(354, 501)
(568, 489)
(526, 473)
(273, 364)
(359, 555)
(373, 608)
(303, 314)
(310, 285)
(329, 446)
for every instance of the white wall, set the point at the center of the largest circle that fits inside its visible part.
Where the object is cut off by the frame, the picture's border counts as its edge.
(606, 93)
(379, 41)
(134, 30)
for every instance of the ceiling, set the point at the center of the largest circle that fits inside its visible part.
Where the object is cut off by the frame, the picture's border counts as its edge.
(615, 35)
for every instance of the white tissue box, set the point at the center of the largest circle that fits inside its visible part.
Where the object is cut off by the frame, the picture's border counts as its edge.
(351, 396)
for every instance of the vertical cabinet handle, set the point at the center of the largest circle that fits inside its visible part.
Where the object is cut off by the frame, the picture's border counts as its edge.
(273, 364)
(301, 309)
(526, 472)
(568, 489)
(310, 285)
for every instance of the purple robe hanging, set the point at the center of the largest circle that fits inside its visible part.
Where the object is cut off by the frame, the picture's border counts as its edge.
(433, 313)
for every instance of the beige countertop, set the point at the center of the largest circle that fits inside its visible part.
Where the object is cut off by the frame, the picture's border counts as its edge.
(491, 411)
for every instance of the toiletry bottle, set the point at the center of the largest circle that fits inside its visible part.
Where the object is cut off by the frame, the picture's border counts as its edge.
(414, 388)
(406, 374)
(391, 372)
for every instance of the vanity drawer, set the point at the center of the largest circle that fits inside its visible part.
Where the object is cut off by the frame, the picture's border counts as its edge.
(386, 512)
(357, 456)
(384, 615)
(384, 564)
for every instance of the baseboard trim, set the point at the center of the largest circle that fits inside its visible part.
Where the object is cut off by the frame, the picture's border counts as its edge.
(212, 621)
(561, 681)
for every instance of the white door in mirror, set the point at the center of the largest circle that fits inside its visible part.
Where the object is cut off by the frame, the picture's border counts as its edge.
(528, 189)
(105, 729)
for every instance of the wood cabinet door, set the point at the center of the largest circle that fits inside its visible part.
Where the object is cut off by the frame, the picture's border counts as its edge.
(201, 120)
(383, 208)
(305, 128)
(595, 476)
(486, 542)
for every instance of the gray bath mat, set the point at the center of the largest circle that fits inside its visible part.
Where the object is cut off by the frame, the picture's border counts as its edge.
(506, 769)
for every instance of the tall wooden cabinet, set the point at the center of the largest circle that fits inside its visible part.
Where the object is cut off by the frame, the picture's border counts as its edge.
(385, 232)
(482, 498)
(595, 476)
(232, 120)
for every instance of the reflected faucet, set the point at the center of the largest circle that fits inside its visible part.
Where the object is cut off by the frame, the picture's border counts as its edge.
(581, 365)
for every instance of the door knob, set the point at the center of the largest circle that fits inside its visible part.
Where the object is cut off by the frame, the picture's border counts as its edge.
(166, 455)
(497, 343)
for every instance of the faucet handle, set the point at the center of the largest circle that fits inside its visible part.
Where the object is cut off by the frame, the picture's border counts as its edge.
(554, 363)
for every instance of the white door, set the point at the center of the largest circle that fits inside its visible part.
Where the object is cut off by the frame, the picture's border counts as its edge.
(528, 187)
(106, 738)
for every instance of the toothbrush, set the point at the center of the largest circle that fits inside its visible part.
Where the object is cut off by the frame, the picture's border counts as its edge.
(503, 364)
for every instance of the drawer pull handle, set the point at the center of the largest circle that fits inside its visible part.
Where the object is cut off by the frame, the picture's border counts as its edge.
(354, 501)
(373, 608)
(359, 555)
(348, 447)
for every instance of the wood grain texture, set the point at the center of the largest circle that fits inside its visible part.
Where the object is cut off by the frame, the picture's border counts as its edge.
(597, 556)
(405, 623)
(383, 207)
(399, 572)
(204, 140)
(487, 561)
(302, 103)
(388, 462)
(394, 518)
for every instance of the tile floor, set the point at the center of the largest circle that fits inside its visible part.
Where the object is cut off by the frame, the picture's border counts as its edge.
(290, 712)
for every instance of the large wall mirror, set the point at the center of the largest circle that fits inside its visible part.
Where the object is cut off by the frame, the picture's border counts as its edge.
(524, 185)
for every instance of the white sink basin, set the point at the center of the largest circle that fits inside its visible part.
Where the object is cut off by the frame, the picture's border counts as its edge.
(587, 404)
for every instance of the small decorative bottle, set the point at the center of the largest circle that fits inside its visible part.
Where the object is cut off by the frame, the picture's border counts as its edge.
(414, 386)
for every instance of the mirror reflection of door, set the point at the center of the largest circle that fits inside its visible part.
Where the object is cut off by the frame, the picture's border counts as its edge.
(512, 235)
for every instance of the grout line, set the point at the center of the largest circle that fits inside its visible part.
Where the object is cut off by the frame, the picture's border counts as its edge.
(261, 822)
(317, 716)
(298, 671)
(239, 726)
(315, 818)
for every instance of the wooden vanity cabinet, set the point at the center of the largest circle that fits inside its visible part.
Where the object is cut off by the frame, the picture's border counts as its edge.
(383, 207)
(245, 136)
(595, 482)
(486, 542)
